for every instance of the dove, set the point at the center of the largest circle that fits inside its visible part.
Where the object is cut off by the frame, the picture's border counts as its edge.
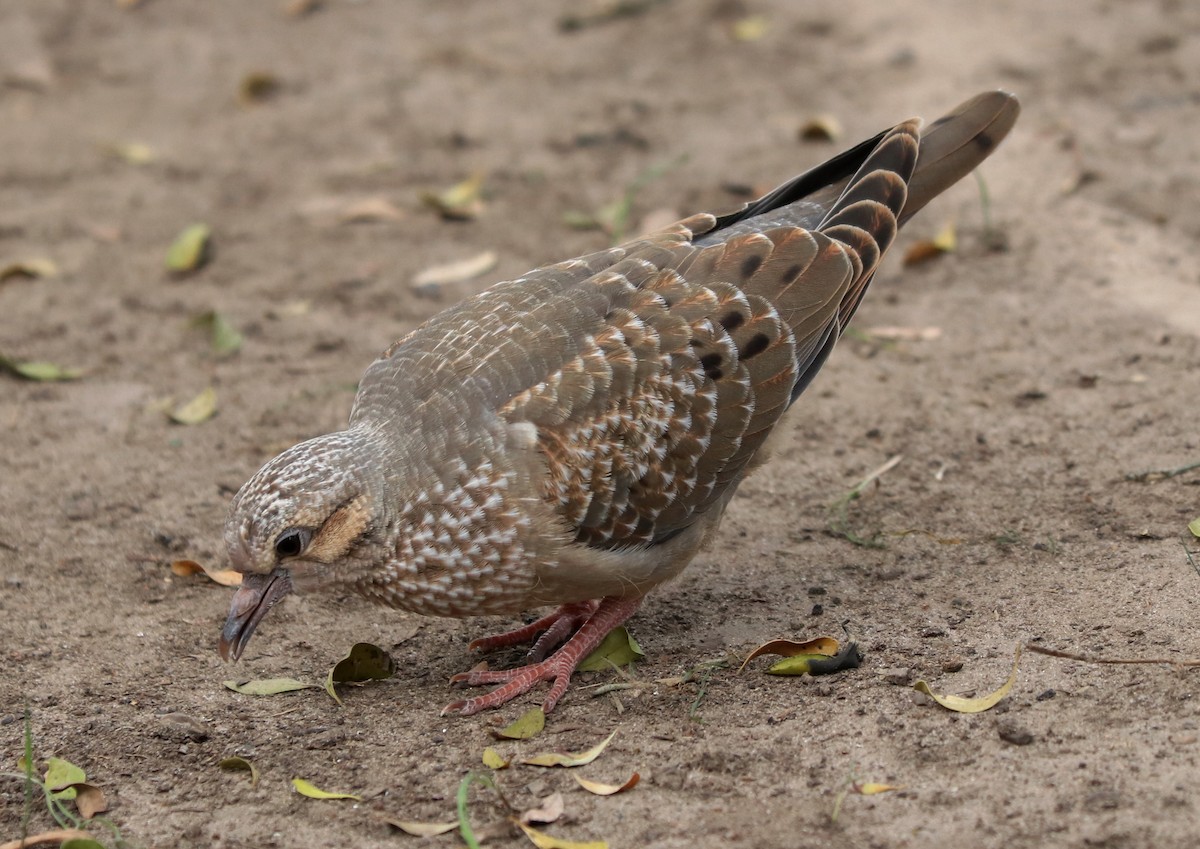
(571, 438)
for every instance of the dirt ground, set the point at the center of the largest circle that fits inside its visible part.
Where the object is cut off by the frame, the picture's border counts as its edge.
(1065, 362)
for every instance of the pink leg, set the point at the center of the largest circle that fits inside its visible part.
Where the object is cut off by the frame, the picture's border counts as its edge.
(557, 625)
(610, 613)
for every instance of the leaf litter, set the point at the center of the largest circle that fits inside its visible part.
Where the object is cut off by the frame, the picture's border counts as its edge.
(364, 662)
(565, 759)
(235, 763)
(617, 649)
(529, 724)
(224, 577)
(307, 788)
(962, 704)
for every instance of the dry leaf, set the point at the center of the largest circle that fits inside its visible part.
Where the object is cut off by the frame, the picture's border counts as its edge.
(826, 646)
(235, 763)
(530, 724)
(822, 128)
(750, 28)
(370, 209)
(134, 153)
(257, 87)
(946, 241)
(307, 788)
(494, 760)
(569, 760)
(224, 577)
(300, 8)
(1194, 526)
(870, 788)
(545, 841)
(420, 829)
(959, 704)
(29, 269)
(617, 649)
(549, 810)
(461, 202)
(905, 334)
(848, 657)
(268, 686)
(455, 272)
(607, 789)
(191, 250)
(364, 662)
(196, 411)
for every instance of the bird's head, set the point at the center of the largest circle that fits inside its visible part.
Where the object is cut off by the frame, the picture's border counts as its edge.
(307, 519)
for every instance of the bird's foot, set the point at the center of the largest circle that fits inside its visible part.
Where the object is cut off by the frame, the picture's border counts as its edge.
(606, 615)
(557, 627)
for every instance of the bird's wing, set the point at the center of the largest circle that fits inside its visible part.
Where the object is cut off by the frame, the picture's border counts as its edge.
(654, 371)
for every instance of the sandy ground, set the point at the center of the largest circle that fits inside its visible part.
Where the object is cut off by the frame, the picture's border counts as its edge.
(1065, 362)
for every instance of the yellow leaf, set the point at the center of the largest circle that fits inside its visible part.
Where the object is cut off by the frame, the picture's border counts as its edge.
(234, 763)
(870, 788)
(421, 829)
(1194, 526)
(493, 759)
(190, 250)
(530, 724)
(461, 201)
(607, 789)
(946, 241)
(960, 704)
(224, 577)
(750, 28)
(560, 759)
(200, 409)
(306, 788)
(134, 153)
(31, 268)
(826, 646)
(545, 841)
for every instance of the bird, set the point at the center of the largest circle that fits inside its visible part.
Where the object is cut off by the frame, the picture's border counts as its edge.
(571, 438)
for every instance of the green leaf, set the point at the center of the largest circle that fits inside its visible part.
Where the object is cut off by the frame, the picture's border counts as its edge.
(190, 250)
(60, 773)
(365, 662)
(529, 725)
(81, 843)
(617, 649)
(38, 370)
(494, 760)
(223, 336)
(1194, 526)
(306, 788)
(267, 686)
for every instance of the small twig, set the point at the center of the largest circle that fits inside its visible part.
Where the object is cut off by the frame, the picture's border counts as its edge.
(1085, 658)
(56, 836)
(1161, 474)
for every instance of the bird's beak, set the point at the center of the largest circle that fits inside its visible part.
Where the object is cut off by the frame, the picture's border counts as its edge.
(257, 595)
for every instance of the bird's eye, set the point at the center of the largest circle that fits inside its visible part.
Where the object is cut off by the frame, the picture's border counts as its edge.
(291, 542)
